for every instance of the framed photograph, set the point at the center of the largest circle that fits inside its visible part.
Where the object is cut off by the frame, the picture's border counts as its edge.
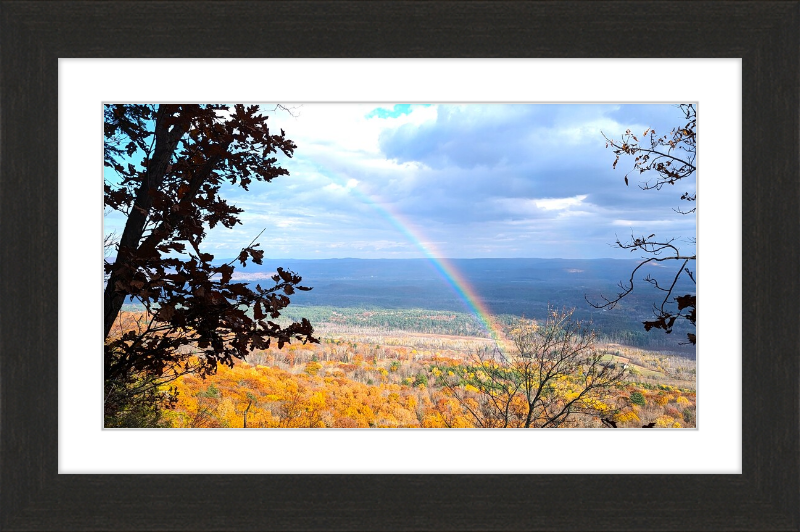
(414, 272)
(735, 63)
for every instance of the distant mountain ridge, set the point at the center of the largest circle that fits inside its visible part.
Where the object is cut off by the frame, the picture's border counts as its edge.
(506, 286)
(522, 287)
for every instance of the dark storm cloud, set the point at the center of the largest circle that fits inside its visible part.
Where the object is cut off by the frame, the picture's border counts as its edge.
(475, 155)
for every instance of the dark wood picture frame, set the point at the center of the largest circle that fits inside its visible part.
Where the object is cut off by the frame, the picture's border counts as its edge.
(33, 35)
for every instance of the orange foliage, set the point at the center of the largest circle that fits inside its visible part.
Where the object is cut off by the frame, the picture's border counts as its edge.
(279, 398)
(301, 388)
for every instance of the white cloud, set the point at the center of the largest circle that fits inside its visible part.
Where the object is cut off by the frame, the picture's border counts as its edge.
(558, 204)
(642, 223)
(343, 127)
(333, 187)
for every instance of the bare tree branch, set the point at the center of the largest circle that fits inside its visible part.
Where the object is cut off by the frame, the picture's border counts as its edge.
(658, 159)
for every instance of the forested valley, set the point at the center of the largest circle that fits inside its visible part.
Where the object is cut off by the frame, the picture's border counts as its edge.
(404, 368)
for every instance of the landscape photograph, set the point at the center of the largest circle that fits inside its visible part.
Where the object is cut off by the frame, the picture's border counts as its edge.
(400, 265)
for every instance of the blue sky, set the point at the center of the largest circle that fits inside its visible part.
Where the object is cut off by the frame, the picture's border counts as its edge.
(461, 181)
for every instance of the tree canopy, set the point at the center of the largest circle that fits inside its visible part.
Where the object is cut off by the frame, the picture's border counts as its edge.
(170, 164)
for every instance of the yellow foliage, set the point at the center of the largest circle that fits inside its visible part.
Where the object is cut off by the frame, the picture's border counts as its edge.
(570, 395)
(312, 368)
(626, 417)
(433, 420)
(317, 400)
(663, 399)
(664, 421)
(596, 404)
(460, 422)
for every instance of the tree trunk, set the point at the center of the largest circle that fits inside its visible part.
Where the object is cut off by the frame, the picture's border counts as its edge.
(246, 410)
(166, 141)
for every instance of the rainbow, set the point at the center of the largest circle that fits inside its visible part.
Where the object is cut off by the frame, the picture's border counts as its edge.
(444, 267)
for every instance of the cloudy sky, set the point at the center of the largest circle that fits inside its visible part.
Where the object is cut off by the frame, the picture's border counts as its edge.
(453, 181)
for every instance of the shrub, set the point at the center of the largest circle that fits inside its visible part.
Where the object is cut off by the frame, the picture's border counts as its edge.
(664, 421)
(662, 399)
(212, 391)
(312, 368)
(624, 417)
(638, 399)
